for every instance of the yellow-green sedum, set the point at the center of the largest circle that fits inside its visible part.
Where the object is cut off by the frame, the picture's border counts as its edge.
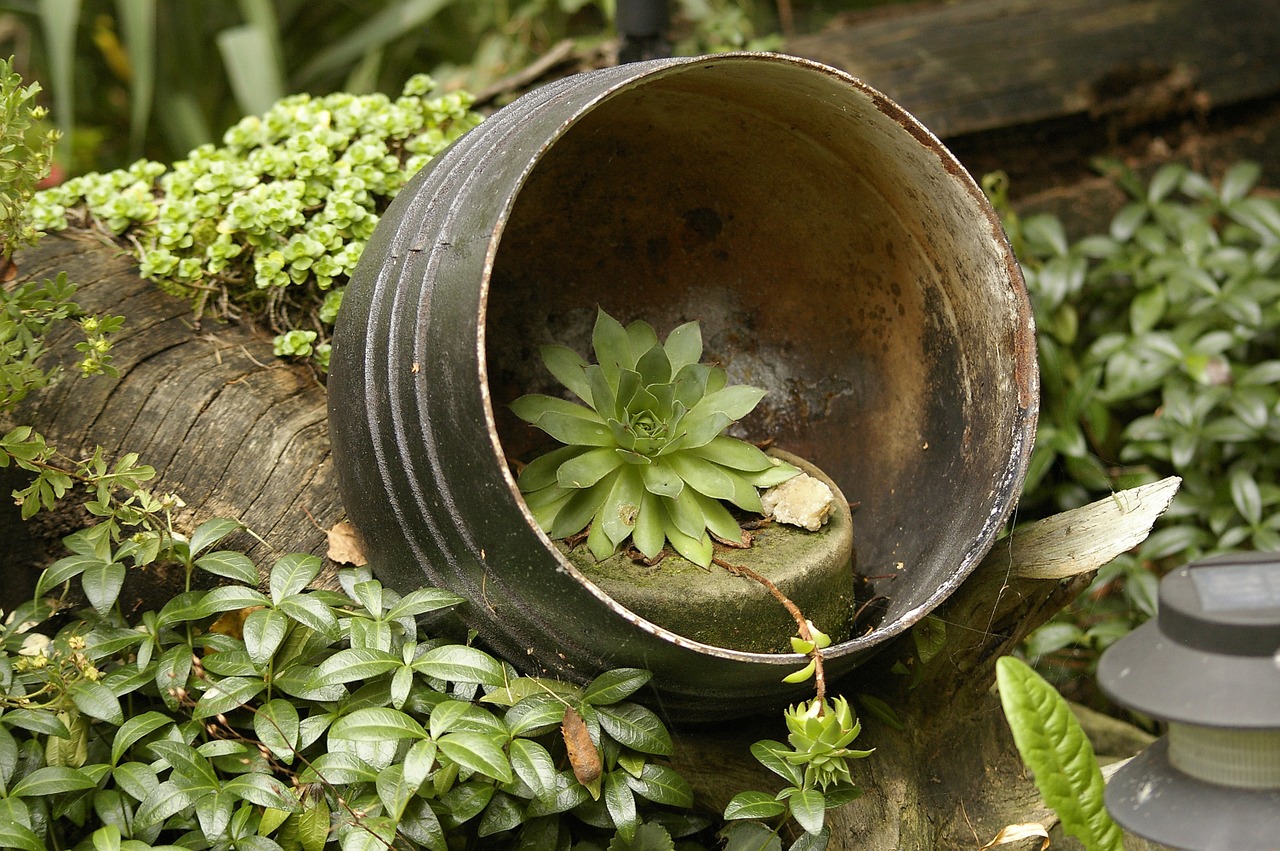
(274, 219)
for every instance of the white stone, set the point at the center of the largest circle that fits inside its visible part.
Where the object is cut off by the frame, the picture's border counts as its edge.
(799, 501)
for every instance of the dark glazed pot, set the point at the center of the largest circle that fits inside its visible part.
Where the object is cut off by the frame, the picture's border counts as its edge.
(834, 252)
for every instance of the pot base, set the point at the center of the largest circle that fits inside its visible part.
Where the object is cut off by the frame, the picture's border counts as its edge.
(716, 607)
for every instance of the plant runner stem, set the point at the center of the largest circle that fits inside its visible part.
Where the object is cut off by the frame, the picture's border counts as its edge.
(802, 623)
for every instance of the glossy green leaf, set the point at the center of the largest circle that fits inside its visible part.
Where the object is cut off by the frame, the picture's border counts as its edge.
(264, 631)
(532, 763)
(21, 837)
(751, 836)
(102, 583)
(232, 565)
(769, 753)
(808, 808)
(340, 767)
(479, 753)
(351, 665)
(534, 715)
(621, 804)
(166, 800)
(134, 729)
(182, 608)
(662, 785)
(615, 685)
(753, 805)
(422, 601)
(37, 721)
(461, 664)
(375, 724)
(213, 813)
(229, 598)
(52, 780)
(291, 573)
(227, 694)
(265, 790)
(96, 701)
(311, 612)
(314, 826)
(1056, 750)
(635, 727)
(210, 532)
(277, 726)
(64, 569)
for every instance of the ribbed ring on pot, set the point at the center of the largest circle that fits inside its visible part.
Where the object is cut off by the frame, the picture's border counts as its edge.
(434, 331)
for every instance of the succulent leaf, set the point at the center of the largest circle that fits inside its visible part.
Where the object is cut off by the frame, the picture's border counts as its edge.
(653, 422)
(719, 521)
(775, 475)
(661, 480)
(684, 346)
(617, 517)
(686, 515)
(568, 368)
(580, 508)
(642, 337)
(649, 536)
(588, 468)
(541, 472)
(737, 454)
(612, 347)
(702, 475)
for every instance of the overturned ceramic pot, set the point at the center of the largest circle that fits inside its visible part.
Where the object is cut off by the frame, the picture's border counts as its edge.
(834, 254)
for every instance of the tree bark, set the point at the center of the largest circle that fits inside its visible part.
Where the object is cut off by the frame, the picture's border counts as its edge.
(236, 432)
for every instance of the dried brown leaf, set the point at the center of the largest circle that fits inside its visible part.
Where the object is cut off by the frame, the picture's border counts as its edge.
(1017, 833)
(583, 755)
(345, 546)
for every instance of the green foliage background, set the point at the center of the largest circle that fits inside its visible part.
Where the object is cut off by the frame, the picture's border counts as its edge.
(135, 78)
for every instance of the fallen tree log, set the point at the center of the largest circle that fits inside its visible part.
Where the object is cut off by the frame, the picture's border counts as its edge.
(230, 428)
(236, 432)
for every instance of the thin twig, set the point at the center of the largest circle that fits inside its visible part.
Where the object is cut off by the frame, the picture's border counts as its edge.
(802, 623)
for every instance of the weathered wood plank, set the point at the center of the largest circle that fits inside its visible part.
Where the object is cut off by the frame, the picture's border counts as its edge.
(982, 64)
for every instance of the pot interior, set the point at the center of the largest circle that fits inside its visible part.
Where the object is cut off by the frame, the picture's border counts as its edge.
(833, 253)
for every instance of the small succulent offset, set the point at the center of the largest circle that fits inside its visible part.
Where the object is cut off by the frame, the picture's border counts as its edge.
(645, 457)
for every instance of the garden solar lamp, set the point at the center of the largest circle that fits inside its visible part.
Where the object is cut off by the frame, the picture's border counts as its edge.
(1208, 664)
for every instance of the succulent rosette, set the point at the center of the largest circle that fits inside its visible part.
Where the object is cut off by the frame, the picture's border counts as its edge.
(645, 456)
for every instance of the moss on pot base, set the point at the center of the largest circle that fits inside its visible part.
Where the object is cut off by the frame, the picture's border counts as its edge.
(814, 569)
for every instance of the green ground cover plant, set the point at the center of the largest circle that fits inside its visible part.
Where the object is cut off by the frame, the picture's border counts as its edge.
(293, 718)
(1159, 346)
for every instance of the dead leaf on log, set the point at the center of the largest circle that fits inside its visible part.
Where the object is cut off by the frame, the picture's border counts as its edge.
(1019, 832)
(583, 755)
(345, 546)
(232, 622)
